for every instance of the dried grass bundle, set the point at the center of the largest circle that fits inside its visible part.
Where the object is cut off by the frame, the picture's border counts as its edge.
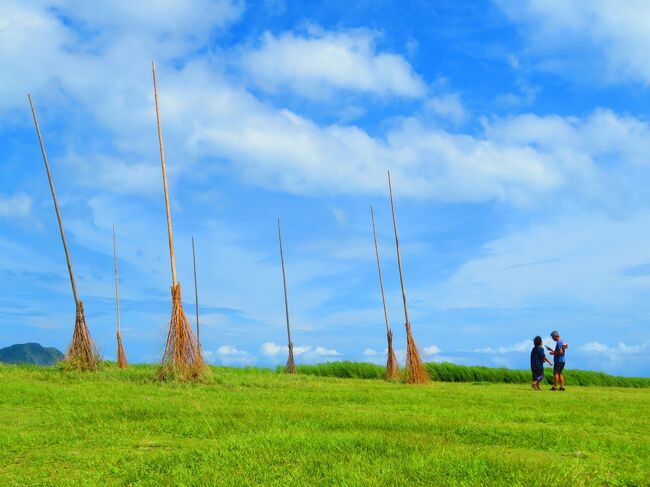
(121, 356)
(81, 353)
(290, 368)
(392, 367)
(182, 359)
(416, 371)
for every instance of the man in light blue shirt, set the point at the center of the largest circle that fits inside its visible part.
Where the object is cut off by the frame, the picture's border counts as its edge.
(559, 360)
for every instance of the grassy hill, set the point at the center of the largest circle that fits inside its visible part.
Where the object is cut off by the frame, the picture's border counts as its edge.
(30, 353)
(253, 426)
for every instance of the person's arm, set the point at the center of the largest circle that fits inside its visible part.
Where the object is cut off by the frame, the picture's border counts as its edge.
(547, 360)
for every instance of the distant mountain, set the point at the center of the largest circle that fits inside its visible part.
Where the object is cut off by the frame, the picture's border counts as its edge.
(30, 353)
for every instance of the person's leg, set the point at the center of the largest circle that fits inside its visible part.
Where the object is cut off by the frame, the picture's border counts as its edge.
(561, 376)
(556, 378)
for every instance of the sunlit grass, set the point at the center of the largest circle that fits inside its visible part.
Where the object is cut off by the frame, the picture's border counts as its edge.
(255, 426)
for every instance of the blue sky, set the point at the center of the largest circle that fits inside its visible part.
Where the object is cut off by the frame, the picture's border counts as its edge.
(516, 133)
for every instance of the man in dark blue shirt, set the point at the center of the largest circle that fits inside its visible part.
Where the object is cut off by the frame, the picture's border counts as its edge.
(537, 359)
(559, 360)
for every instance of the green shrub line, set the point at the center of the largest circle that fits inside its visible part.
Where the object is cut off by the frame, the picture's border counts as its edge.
(438, 371)
(448, 372)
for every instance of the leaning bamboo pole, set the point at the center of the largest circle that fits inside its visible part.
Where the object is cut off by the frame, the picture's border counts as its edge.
(196, 297)
(182, 358)
(121, 355)
(391, 362)
(416, 372)
(81, 353)
(291, 364)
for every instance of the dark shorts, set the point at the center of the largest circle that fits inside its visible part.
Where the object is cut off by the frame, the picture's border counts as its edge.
(558, 367)
(538, 374)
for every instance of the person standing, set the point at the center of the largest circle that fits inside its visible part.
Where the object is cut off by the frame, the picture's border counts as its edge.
(559, 360)
(537, 359)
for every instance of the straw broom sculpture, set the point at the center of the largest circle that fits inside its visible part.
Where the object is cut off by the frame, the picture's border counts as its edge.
(81, 353)
(392, 368)
(416, 372)
(121, 356)
(290, 368)
(182, 359)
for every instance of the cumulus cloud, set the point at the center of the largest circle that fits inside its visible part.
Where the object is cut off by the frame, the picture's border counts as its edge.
(518, 159)
(229, 355)
(619, 348)
(605, 37)
(229, 350)
(522, 346)
(15, 206)
(432, 350)
(369, 352)
(272, 349)
(326, 352)
(448, 107)
(553, 261)
(320, 62)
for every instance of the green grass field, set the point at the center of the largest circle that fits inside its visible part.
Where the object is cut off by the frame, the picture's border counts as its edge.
(251, 426)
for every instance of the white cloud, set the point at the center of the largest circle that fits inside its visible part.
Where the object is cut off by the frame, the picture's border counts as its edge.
(323, 61)
(447, 107)
(326, 352)
(553, 262)
(369, 352)
(519, 159)
(229, 350)
(432, 350)
(15, 206)
(523, 346)
(230, 356)
(609, 38)
(272, 349)
(618, 349)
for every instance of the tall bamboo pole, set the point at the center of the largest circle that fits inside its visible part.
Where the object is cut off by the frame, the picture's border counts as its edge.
(56, 203)
(117, 296)
(381, 282)
(196, 296)
(415, 370)
(81, 352)
(121, 356)
(182, 359)
(291, 366)
(399, 257)
(391, 361)
(164, 173)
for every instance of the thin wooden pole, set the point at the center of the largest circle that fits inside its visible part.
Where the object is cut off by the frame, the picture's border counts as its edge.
(164, 173)
(196, 296)
(56, 204)
(284, 282)
(399, 258)
(117, 297)
(381, 282)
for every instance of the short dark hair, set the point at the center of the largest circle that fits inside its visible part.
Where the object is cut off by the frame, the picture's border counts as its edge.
(537, 341)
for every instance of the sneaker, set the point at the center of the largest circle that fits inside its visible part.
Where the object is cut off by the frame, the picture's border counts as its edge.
(554, 388)
(562, 389)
